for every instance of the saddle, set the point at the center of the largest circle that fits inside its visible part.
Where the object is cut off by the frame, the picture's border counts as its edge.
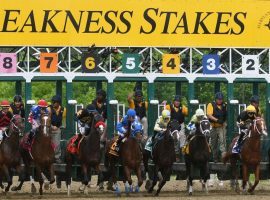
(74, 149)
(113, 150)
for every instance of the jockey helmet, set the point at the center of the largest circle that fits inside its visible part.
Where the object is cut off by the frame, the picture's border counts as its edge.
(251, 109)
(138, 93)
(199, 112)
(56, 98)
(166, 114)
(17, 98)
(254, 99)
(219, 95)
(91, 108)
(136, 127)
(101, 93)
(131, 113)
(177, 98)
(42, 103)
(5, 103)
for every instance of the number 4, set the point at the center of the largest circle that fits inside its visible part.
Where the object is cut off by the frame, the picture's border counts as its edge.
(171, 63)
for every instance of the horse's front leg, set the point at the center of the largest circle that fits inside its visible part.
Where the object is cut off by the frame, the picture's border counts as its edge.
(257, 179)
(165, 175)
(128, 180)
(40, 179)
(51, 169)
(139, 177)
(9, 179)
(155, 179)
(85, 179)
(69, 162)
(20, 171)
(204, 172)
(245, 177)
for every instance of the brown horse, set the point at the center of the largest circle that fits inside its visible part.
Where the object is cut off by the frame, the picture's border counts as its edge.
(10, 156)
(163, 154)
(250, 155)
(198, 155)
(130, 156)
(41, 155)
(89, 155)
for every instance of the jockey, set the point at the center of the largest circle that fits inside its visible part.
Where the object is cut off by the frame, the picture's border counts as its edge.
(84, 119)
(34, 117)
(196, 119)
(255, 101)
(122, 126)
(101, 103)
(244, 121)
(161, 123)
(17, 106)
(5, 118)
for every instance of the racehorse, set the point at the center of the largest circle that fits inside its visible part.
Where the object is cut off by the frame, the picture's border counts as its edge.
(198, 154)
(249, 156)
(163, 154)
(10, 156)
(41, 154)
(130, 155)
(88, 153)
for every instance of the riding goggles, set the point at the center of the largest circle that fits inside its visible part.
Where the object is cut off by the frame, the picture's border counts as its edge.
(251, 113)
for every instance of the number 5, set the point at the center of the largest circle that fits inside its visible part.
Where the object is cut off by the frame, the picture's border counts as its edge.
(130, 64)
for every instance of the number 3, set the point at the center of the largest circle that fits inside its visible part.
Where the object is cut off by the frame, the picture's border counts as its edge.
(211, 64)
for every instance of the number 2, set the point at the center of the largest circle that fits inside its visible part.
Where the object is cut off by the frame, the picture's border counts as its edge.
(251, 64)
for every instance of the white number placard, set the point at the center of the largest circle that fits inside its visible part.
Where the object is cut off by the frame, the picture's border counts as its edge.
(250, 64)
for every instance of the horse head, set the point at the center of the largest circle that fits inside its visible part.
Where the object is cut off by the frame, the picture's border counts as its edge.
(174, 128)
(97, 123)
(45, 124)
(16, 125)
(258, 127)
(205, 127)
(137, 130)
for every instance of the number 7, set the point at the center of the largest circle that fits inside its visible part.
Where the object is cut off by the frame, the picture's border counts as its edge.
(50, 59)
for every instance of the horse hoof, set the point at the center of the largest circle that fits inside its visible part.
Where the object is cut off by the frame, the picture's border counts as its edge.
(190, 193)
(33, 189)
(137, 189)
(126, 190)
(150, 190)
(156, 194)
(148, 184)
(15, 188)
(251, 192)
(46, 185)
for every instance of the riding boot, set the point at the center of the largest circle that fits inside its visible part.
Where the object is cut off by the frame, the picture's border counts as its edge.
(236, 147)
(76, 142)
(118, 143)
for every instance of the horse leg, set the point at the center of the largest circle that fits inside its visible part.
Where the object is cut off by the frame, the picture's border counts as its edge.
(146, 167)
(204, 173)
(139, 177)
(245, 177)
(69, 162)
(165, 175)
(100, 177)
(189, 177)
(257, 179)
(40, 180)
(128, 180)
(85, 178)
(155, 179)
(20, 171)
(9, 179)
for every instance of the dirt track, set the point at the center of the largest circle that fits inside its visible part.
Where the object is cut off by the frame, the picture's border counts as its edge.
(172, 190)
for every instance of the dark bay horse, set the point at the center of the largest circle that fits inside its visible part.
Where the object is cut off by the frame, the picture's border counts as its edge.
(130, 156)
(250, 155)
(198, 155)
(10, 156)
(89, 155)
(41, 155)
(163, 154)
